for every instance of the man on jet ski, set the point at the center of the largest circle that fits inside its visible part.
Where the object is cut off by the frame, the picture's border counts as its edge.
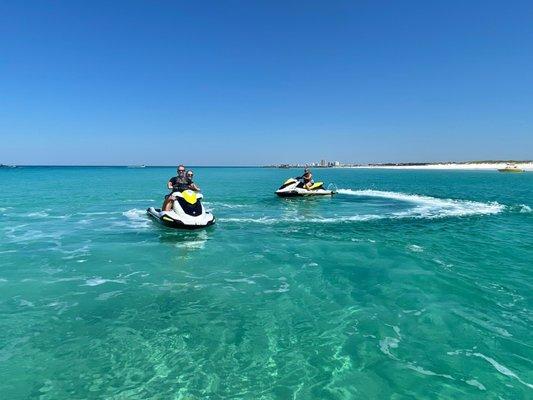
(177, 183)
(307, 178)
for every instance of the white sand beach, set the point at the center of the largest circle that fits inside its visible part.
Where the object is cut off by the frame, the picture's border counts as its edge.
(453, 166)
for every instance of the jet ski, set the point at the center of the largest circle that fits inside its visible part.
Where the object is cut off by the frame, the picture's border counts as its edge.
(294, 187)
(187, 212)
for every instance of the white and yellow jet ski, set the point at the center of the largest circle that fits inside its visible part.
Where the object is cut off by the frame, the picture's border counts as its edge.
(294, 187)
(187, 212)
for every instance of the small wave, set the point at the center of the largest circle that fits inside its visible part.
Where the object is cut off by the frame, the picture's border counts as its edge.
(26, 303)
(99, 213)
(99, 281)
(41, 214)
(475, 383)
(311, 264)
(319, 220)
(260, 220)
(427, 372)
(430, 207)
(497, 366)
(284, 287)
(215, 204)
(31, 235)
(482, 323)
(108, 295)
(192, 244)
(502, 369)
(524, 209)
(241, 280)
(134, 213)
(226, 205)
(385, 345)
(8, 251)
(415, 248)
(196, 241)
(137, 217)
(78, 252)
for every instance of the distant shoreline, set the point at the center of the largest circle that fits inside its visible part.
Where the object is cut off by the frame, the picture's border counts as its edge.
(472, 165)
(527, 166)
(469, 165)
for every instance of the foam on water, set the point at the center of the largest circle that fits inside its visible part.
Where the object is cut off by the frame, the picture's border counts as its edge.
(138, 200)
(100, 281)
(430, 207)
(225, 205)
(477, 384)
(300, 220)
(497, 366)
(415, 248)
(423, 207)
(99, 213)
(137, 218)
(192, 244)
(424, 371)
(524, 208)
(41, 214)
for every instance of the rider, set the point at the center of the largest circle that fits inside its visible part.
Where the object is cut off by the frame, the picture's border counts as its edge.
(177, 183)
(191, 184)
(307, 178)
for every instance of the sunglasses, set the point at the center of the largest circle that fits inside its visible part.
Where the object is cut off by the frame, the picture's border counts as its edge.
(189, 174)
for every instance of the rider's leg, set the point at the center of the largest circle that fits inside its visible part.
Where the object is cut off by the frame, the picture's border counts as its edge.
(165, 201)
(167, 205)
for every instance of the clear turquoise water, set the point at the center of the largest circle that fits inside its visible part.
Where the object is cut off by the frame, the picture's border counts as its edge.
(408, 284)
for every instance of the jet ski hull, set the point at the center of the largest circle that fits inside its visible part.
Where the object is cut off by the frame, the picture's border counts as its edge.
(304, 193)
(166, 219)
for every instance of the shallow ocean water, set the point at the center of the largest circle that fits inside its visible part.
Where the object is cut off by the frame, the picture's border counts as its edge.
(407, 284)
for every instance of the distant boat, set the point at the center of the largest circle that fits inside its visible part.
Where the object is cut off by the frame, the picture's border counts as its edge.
(511, 168)
(137, 166)
(7, 166)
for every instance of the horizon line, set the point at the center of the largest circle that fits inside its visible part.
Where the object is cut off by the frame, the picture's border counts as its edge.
(140, 166)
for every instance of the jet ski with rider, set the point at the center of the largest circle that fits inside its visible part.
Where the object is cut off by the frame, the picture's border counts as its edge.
(303, 186)
(182, 207)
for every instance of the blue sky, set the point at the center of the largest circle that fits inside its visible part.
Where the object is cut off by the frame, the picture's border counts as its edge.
(255, 82)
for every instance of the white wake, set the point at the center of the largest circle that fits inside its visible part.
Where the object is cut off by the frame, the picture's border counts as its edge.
(430, 207)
